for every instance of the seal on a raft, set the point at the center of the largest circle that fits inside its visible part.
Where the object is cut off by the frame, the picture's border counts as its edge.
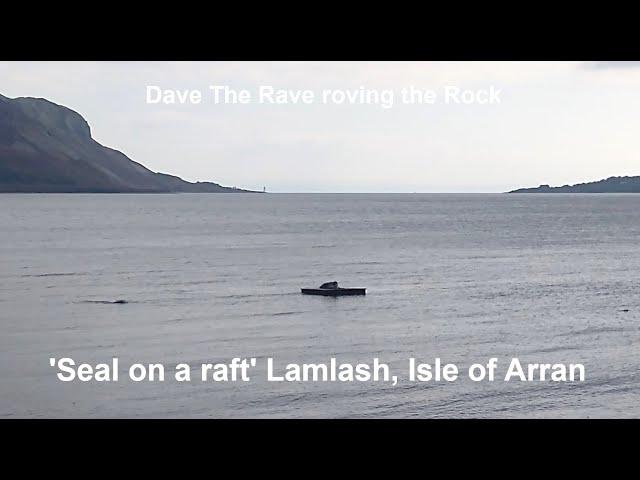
(331, 289)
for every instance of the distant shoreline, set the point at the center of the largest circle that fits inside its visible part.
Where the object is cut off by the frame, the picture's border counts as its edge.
(318, 193)
(79, 192)
(608, 185)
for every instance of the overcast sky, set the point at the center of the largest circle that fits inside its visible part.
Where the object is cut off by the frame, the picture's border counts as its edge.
(557, 123)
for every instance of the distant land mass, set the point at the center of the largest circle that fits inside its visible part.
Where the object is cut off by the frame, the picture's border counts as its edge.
(48, 148)
(608, 185)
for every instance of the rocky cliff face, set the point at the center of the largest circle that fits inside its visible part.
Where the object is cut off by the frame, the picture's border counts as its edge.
(46, 147)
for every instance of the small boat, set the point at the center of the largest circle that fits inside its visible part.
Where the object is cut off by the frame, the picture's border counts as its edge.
(331, 289)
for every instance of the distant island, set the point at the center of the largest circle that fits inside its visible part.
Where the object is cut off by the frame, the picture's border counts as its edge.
(48, 148)
(608, 185)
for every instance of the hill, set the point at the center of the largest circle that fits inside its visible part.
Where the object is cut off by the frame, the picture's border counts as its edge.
(608, 185)
(45, 147)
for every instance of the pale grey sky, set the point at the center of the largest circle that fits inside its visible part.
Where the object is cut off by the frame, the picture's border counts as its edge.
(557, 123)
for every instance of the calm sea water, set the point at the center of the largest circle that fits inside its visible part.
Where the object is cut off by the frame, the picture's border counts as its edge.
(545, 278)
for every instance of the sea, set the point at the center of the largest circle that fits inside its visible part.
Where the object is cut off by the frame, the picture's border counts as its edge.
(205, 278)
